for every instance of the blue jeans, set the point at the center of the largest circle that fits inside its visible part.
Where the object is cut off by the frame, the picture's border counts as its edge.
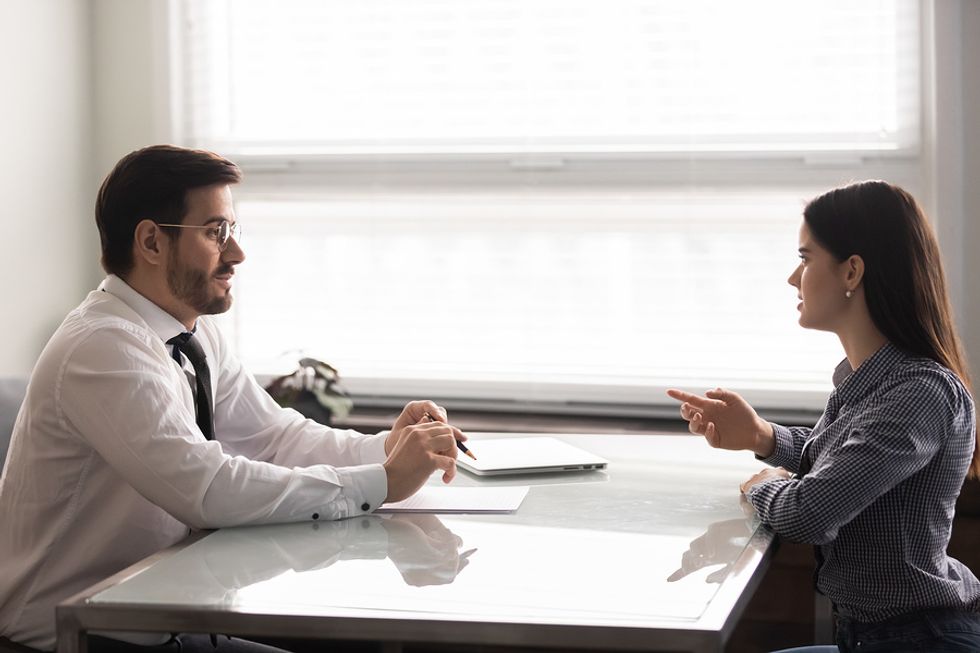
(935, 631)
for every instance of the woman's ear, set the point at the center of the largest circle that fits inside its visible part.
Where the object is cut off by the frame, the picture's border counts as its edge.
(853, 272)
(149, 242)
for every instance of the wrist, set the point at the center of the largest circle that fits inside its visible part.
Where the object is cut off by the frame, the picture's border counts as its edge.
(765, 439)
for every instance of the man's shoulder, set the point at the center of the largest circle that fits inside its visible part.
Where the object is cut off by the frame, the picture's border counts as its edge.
(105, 314)
(98, 321)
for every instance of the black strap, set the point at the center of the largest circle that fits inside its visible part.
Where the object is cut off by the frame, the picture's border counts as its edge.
(188, 345)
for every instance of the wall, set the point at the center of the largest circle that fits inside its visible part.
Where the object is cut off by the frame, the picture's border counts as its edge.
(132, 105)
(48, 245)
(970, 72)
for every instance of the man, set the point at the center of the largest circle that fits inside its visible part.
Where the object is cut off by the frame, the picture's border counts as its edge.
(139, 425)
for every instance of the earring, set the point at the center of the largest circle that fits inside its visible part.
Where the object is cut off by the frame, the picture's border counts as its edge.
(849, 294)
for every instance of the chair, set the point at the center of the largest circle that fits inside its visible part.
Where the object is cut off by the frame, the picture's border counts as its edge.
(12, 391)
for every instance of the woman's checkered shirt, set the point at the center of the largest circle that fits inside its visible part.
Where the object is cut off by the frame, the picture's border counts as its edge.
(876, 485)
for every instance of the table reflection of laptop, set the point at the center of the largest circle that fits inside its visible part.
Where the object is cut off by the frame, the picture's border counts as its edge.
(497, 457)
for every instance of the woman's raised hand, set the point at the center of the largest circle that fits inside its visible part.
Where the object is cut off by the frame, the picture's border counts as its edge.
(725, 420)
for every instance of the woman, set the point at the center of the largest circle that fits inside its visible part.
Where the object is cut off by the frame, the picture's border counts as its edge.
(874, 483)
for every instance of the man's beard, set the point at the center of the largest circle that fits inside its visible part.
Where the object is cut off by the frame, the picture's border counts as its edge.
(192, 287)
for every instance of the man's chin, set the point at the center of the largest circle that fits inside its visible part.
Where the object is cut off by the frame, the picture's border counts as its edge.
(217, 305)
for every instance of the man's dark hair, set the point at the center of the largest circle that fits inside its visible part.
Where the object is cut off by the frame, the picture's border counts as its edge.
(152, 183)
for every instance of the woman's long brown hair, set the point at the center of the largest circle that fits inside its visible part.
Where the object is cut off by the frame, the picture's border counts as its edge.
(905, 286)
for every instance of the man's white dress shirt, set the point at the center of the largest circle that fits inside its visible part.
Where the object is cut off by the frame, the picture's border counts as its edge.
(107, 464)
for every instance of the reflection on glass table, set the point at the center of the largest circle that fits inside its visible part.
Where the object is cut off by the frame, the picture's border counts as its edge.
(212, 572)
(654, 553)
(719, 545)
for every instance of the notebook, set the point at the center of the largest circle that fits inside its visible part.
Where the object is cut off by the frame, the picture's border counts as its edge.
(446, 500)
(527, 456)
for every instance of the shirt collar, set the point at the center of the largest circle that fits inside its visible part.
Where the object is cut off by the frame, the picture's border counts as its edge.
(160, 321)
(853, 385)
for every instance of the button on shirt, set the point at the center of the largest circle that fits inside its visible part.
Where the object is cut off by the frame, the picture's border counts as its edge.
(879, 475)
(107, 464)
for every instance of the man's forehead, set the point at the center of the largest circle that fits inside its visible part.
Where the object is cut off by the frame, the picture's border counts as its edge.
(209, 205)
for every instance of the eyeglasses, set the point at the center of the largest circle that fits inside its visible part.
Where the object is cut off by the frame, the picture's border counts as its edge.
(220, 234)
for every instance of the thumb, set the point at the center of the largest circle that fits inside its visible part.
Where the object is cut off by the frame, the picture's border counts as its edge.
(721, 394)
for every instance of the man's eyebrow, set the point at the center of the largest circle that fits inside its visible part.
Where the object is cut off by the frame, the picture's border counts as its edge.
(804, 250)
(218, 218)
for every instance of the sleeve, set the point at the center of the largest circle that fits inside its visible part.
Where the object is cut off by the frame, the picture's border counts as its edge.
(120, 392)
(789, 446)
(905, 427)
(250, 423)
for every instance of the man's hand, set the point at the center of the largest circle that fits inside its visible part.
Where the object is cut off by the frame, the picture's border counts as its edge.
(726, 421)
(766, 474)
(413, 413)
(417, 447)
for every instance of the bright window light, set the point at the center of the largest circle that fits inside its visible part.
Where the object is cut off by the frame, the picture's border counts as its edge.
(541, 203)
(314, 76)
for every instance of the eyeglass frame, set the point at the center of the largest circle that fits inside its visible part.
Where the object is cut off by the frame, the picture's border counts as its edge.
(234, 230)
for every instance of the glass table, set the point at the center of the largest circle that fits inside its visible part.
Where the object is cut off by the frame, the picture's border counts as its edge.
(657, 552)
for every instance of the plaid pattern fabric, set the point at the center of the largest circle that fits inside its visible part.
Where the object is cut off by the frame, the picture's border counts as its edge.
(876, 485)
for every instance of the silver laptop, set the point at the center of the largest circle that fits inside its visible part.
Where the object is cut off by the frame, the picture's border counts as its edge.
(496, 457)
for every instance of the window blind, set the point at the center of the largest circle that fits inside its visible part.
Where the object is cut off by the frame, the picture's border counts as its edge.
(685, 138)
(442, 76)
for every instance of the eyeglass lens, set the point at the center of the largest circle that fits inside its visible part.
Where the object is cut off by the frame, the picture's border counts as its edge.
(227, 231)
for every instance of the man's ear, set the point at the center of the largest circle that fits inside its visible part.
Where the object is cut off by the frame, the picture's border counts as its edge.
(854, 272)
(150, 243)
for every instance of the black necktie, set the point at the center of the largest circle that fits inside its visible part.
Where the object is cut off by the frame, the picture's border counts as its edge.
(187, 344)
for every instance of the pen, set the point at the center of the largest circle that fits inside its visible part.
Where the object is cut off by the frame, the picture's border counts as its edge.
(460, 445)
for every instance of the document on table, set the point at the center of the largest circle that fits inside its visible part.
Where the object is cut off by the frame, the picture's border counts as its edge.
(434, 499)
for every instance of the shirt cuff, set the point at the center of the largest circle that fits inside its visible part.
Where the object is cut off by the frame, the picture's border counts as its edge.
(762, 495)
(783, 454)
(365, 488)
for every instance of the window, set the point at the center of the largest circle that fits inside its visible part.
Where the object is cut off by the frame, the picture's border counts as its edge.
(559, 203)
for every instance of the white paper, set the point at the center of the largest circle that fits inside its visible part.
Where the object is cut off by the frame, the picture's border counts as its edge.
(436, 499)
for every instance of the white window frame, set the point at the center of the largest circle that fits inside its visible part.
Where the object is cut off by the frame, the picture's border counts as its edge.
(304, 175)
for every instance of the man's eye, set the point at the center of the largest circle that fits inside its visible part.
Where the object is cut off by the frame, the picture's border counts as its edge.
(214, 233)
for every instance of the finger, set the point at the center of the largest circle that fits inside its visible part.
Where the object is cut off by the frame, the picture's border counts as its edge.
(435, 411)
(696, 425)
(459, 435)
(722, 395)
(681, 395)
(677, 575)
(446, 464)
(687, 411)
(711, 435)
(441, 413)
(717, 576)
(442, 443)
(435, 437)
(418, 409)
(698, 401)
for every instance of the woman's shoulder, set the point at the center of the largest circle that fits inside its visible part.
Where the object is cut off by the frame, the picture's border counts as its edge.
(921, 380)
